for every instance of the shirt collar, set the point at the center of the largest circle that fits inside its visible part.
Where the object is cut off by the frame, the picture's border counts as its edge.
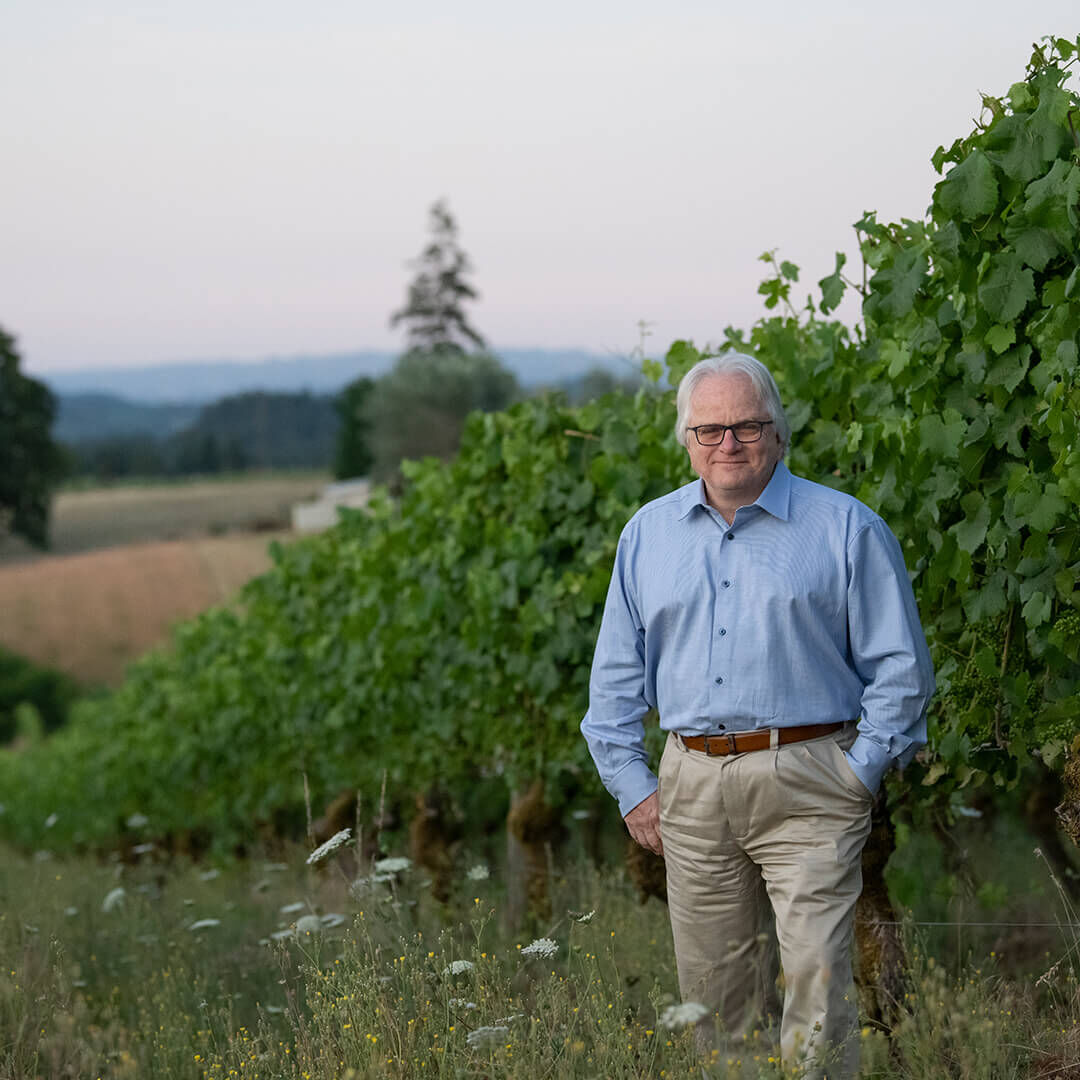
(775, 499)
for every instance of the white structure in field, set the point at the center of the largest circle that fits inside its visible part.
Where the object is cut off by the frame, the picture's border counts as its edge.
(321, 514)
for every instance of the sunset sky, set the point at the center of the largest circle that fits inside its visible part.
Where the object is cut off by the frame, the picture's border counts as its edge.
(213, 179)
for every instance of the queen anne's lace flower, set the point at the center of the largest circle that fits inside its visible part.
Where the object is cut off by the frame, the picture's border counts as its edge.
(339, 839)
(543, 948)
(478, 873)
(487, 1036)
(458, 967)
(677, 1016)
(394, 865)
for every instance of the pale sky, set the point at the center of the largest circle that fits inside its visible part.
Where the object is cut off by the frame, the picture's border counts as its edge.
(234, 179)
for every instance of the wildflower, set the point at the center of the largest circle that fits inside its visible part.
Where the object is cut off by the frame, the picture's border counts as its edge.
(204, 924)
(487, 1036)
(458, 967)
(586, 917)
(510, 1019)
(292, 909)
(339, 839)
(479, 873)
(71, 912)
(137, 821)
(677, 1016)
(544, 948)
(51, 820)
(461, 1003)
(308, 924)
(114, 898)
(394, 865)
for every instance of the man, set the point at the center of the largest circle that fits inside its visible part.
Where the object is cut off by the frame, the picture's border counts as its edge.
(771, 623)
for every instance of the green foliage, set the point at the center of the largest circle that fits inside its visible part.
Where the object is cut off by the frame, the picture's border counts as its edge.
(25, 685)
(352, 451)
(31, 464)
(418, 409)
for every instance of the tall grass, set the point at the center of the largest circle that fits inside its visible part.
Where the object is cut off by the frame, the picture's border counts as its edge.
(278, 970)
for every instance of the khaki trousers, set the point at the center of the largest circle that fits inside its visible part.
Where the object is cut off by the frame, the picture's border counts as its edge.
(779, 828)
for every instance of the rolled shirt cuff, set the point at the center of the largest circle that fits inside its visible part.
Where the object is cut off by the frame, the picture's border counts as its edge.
(869, 762)
(632, 785)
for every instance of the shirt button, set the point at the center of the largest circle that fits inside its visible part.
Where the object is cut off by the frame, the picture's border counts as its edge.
(731, 536)
(722, 631)
(719, 679)
(726, 583)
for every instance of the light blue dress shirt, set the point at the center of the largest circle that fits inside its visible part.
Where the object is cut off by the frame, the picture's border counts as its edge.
(799, 612)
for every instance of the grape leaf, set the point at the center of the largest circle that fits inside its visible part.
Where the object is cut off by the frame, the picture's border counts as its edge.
(970, 189)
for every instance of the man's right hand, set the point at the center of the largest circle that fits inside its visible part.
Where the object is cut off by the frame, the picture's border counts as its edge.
(644, 824)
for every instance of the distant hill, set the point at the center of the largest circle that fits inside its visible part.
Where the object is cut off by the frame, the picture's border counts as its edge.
(88, 417)
(201, 382)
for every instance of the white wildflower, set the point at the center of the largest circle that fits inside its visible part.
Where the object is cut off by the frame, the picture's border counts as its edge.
(280, 935)
(51, 820)
(479, 873)
(581, 815)
(510, 1019)
(677, 1016)
(458, 967)
(114, 898)
(579, 917)
(137, 821)
(292, 909)
(143, 849)
(274, 1010)
(339, 839)
(487, 1036)
(394, 865)
(71, 912)
(204, 924)
(461, 1003)
(308, 924)
(544, 948)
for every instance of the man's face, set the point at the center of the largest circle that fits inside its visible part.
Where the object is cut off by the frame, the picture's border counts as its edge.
(735, 474)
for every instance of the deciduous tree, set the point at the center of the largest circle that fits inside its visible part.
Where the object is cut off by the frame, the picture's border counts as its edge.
(31, 464)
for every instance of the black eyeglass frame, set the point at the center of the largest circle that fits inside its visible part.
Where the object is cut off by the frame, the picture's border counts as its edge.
(725, 428)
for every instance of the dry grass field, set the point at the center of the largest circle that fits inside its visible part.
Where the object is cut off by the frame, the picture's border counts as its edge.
(91, 614)
(109, 517)
(128, 562)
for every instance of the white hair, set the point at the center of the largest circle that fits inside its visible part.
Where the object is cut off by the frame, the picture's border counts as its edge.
(732, 363)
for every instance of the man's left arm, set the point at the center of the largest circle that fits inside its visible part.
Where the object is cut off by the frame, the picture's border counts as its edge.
(889, 653)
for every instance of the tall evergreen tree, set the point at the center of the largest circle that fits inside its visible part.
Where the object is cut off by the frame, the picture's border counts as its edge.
(433, 313)
(31, 464)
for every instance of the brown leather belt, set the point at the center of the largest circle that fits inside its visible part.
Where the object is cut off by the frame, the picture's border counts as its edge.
(742, 741)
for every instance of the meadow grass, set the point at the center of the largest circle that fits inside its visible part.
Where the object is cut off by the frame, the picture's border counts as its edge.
(283, 970)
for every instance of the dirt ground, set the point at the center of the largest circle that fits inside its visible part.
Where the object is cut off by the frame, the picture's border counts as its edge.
(91, 614)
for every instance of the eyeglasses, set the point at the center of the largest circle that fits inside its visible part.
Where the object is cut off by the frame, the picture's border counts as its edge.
(745, 431)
